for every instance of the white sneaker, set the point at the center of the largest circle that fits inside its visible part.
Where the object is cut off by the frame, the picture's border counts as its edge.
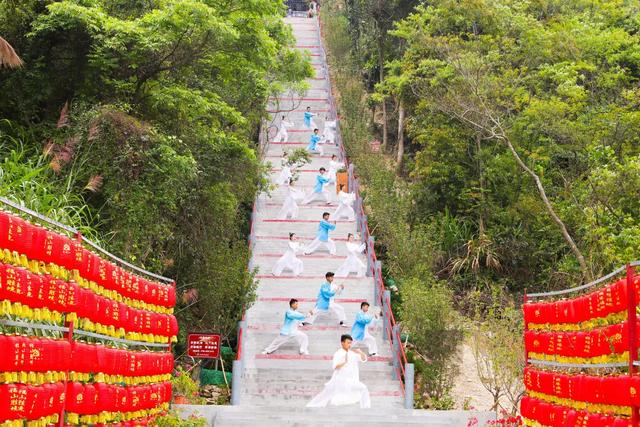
(304, 353)
(265, 352)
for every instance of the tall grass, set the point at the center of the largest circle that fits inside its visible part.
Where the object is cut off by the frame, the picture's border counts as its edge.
(27, 179)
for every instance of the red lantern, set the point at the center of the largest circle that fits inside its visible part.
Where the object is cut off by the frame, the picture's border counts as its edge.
(593, 389)
(574, 383)
(171, 302)
(546, 382)
(5, 220)
(15, 282)
(634, 390)
(89, 406)
(616, 388)
(621, 422)
(13, 399)
(581, 308)
(18, 231)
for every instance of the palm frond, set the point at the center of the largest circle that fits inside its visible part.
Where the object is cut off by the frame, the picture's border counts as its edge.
(8, 56)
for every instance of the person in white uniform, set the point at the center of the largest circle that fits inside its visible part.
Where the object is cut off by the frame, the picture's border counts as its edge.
(329, 132)
(283, 135)
(290, 331)
(290, 205)
(325, 302)
(334, 165)
(285, 171)
(345, 387)
(353, 264)
(289, 261)
(360, 329)
(345, 205)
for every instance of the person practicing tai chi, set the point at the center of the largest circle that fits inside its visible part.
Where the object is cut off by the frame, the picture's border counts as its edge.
(329, 131)
(353, 264)
(289, 261)
(314, 143)
(285, 173)
(322, 237)
(334, 165)
(290, 330)
(345, 205)
(345, 387)
(318, 189)
(325, 302)
(309, 123)
(283, 135)
(360, 329)
(290, 206)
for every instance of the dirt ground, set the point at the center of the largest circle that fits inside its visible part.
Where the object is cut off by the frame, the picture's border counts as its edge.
(467, 386)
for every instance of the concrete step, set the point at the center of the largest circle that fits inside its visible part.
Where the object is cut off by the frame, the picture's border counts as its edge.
(268, 312)
(296, 362)
(318, 343)
(303, 228)
(273, 289)
(348, 416)
(269, 213)
(268, 246)
(311, 266)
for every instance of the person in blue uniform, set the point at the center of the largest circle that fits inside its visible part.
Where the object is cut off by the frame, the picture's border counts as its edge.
(309, 123)
(290, 330)
(360, 332)
(325, 302)
(318, 189)
(315, 145)
(322, 236)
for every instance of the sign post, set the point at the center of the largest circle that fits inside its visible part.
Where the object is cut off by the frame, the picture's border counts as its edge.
(203, 346)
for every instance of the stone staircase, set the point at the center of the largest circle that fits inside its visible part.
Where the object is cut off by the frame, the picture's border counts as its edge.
(275, 388)
(285, 378)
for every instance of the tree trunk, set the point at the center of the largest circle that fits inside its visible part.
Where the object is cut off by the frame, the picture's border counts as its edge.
(502, 136)
(385, 130)
(481, 183)
(543, 194)
(400, 156)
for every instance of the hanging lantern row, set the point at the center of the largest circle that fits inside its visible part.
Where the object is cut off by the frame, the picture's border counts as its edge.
(539, 413)
(86, 403)
(91, 358)
(607, 301)
(565, 346)
(107, 400)
(36, 291)
(19, 353)
(615, 390)
(29, 402)
(39, 244)
(38, 355)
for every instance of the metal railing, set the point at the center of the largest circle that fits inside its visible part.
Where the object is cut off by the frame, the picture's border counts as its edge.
(402, 370)
(75, 232)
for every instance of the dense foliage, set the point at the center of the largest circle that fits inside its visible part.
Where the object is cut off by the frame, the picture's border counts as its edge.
(138, 121)
(510, 130)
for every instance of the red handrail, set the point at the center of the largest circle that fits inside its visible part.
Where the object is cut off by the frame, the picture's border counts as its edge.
(239, 353)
